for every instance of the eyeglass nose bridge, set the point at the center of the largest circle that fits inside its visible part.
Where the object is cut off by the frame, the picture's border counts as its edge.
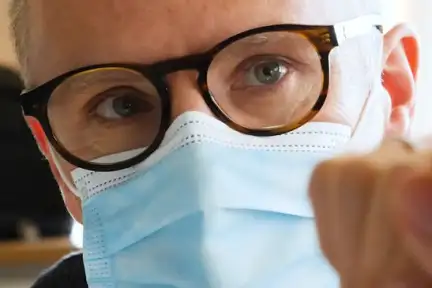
(198, 62)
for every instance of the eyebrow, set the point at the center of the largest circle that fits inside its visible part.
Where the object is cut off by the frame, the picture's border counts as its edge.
(253, 40)
(91, 78)
(262, 39)
(256, 39)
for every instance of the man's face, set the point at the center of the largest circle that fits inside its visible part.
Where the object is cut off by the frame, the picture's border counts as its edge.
(71, 34)
(67, 34)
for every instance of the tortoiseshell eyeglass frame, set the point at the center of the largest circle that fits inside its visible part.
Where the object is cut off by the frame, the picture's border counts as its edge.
(34, 102)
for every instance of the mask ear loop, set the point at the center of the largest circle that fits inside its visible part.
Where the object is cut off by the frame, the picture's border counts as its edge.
(369, 131)
(65, 179)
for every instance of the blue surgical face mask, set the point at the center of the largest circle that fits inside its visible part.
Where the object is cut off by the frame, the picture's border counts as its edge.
(211, 208)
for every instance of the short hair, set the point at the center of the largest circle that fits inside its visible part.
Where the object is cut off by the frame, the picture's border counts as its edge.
(18, 28)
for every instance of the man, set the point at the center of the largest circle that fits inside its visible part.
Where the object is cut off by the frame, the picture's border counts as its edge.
(183, 133)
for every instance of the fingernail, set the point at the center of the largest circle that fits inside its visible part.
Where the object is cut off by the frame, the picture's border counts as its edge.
(417, 206)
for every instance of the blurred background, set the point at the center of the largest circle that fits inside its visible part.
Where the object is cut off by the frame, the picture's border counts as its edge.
(35, 230)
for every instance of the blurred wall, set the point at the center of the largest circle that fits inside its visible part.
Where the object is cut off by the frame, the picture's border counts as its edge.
(9, 279)
(420, 16)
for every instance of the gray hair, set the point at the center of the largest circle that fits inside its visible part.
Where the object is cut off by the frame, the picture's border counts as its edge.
(18, 28)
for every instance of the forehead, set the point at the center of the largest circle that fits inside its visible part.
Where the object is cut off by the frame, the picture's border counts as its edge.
(66, 34)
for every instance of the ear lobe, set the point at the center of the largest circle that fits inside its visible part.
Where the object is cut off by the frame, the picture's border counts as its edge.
(401, 62)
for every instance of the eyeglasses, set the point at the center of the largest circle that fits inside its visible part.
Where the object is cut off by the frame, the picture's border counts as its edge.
(266, 81)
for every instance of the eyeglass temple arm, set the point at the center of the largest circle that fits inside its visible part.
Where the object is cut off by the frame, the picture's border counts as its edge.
(356, 27)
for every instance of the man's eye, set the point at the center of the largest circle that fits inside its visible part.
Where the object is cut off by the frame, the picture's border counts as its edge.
(123, 102)
(267, 72)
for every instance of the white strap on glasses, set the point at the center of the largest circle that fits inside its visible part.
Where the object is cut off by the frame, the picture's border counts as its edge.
(356, 27)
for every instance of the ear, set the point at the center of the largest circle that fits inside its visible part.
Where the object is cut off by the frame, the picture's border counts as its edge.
(38, 134)
(401, 61)
(72, 202)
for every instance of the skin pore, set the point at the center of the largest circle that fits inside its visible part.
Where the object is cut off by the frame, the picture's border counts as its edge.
(67, 34)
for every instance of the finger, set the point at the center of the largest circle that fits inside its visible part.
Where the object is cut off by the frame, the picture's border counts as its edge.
(342, 191)
(353, 203)
(385, 262)
(394, 150)
(416, 220)
(359, 202)
(412, 206)
(322, 189)
(383, 257)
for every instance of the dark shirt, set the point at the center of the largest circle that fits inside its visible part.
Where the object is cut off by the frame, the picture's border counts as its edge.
(67, 273)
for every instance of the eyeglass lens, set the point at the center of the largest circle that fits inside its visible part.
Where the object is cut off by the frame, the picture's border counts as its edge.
(263, 81)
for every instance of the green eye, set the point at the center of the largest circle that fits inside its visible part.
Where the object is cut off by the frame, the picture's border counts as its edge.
(123, 102)
(267, 73)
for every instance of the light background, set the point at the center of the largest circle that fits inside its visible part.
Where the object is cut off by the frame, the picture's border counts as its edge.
(418, 14)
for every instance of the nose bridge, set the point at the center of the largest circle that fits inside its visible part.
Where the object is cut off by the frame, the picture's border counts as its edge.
(189, 62)
(185, 94)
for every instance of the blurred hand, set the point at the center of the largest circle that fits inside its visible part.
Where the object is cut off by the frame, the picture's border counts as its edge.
(374, 216)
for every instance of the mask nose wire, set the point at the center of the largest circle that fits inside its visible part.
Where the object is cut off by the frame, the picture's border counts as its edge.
(368, 132)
